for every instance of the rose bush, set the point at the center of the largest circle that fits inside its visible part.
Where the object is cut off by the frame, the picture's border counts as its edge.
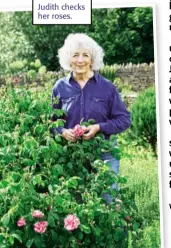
(51, 189)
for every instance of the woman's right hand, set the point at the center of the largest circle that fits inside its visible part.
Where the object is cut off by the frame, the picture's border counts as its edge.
(68, 134)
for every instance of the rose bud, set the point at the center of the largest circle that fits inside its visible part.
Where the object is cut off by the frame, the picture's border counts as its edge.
(128, 218)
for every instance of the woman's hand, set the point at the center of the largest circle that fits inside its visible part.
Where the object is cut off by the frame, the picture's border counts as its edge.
(92, 130)
(68, 134)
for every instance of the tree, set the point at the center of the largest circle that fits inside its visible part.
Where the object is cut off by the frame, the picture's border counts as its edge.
(126, 34)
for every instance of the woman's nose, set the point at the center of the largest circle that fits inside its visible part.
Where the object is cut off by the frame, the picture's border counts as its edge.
(80, 58)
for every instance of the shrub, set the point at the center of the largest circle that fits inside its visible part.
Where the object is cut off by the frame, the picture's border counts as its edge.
(144, 117)
(51, 190)
(108, 72)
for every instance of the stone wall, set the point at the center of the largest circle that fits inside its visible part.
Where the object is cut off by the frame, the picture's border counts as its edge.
(139, 76)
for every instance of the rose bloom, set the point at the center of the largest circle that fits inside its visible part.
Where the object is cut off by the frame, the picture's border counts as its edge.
(41, 226)
(79, 130)
(37, 214)
(21, 222)
(71, 222)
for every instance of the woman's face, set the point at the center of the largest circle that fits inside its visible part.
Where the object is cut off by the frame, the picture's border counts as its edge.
(81, 61)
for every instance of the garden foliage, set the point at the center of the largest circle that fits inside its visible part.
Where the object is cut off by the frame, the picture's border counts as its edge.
(51, 190)
(143, 112)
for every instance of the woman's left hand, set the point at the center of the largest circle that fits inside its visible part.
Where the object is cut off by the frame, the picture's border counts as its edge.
(92, 130)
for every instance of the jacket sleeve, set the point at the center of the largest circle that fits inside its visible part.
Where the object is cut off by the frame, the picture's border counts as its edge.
(119, 117)
(56, 104)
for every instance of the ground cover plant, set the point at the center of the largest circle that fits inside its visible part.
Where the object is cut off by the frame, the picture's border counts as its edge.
(52, 191)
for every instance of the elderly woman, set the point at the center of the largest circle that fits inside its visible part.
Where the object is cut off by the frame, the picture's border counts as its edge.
(84, 94)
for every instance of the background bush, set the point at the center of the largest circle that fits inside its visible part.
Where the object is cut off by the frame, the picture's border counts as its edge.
(13, 43)
(144, 117)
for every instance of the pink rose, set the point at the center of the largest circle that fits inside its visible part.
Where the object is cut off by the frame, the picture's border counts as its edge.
(21, 222)
(71, 222)
(41, 226)
(37, 214)
(79, 130)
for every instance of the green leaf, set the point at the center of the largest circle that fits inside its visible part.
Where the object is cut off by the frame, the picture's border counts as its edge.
(38, 129)
(60, 123)
(4, 183)
(72, 183)
(91, 121)
(122, 179)
(54, 236)
(50, 188)
(70, 165)
(15, 187)
(51, 220)
(84, 124)
(80, 235)
(135, 226)
(2, 237)
(39, 242)
(97, 231)
(59, 169)
(85, 229)
(5, 219)
(55, 216)
(58, 138)
(62, 239)
(18, 237)
(16, 176)
(37, 179)
(11, 240)
(59, 112)
(116, 236)
(59, 200)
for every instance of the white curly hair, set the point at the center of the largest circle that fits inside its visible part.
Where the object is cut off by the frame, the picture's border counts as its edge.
(72, 43)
